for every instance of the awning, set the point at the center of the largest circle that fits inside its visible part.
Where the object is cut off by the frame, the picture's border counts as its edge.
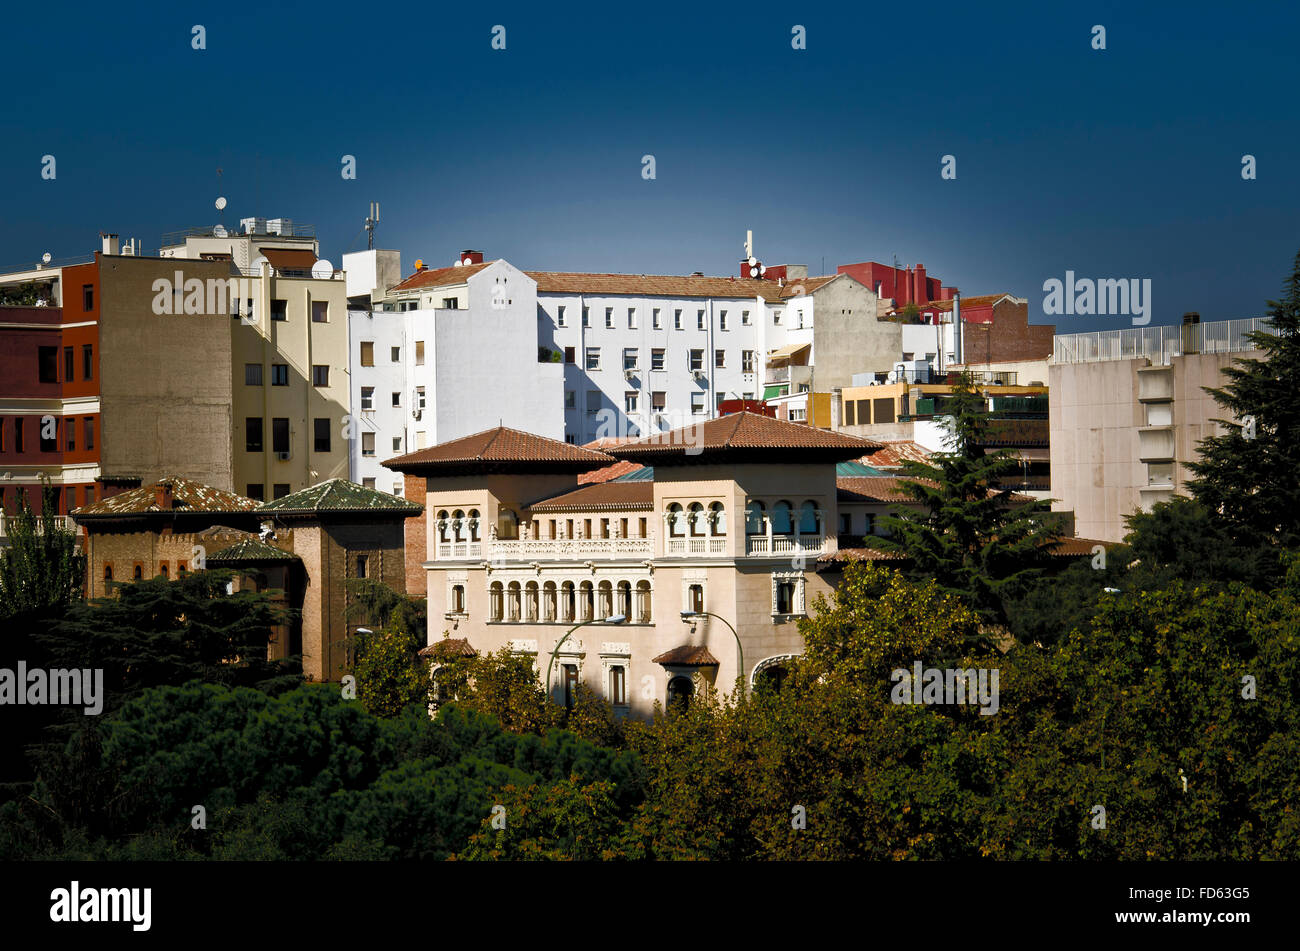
(770, 392)
(289, 259)
(688, 655)
(786, 352)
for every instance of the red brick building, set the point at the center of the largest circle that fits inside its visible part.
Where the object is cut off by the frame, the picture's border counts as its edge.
(906, 285)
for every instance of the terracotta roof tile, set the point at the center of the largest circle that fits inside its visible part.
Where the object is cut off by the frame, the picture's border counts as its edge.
(499, 446)
(895, 452)
(604, 495)
(747, 435)
(449, 647)
(441, 277)
(873, 489)
(688, 655)
(622, 467)
(802, 286)
(978, 300)
(653, 285)
(1077, 547)
(186, 494)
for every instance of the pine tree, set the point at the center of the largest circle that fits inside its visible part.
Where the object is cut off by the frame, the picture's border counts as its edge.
(972, 538)
(43, 569)
(1250, 476)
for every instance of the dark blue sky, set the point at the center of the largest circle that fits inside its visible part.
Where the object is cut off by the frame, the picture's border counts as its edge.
(1121, 163)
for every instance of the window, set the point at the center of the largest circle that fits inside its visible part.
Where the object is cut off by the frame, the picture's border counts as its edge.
(87, 297)
(629, 401)
(697, 359)
(279, 490)
(48, 443)
(755, 523)
(182, 569)
(677, 320)
(320, 374)
(849, 419)
(560, 320)
(776, 317)
(631, 318)
(718, 519)
(593, 401)
(252, 374)
(108, 574)
(363, 562)
(320, 311)
(18, 434)
(570, 685)
(717, 401)
(609, 318)
(368, 353)
(396, 353)
(744, 318)
(279, 374)
(367, 398)
(695, 598)
(496, 595)
(657, 319)
(68, 364)
(137, 573)
(695, 519)
(450, 303)
(253, 434)
(747, 361)
(586, 316)
(719, 358)
(722, 320)
(846, 523)
(255, 491)
(397, 444)
(787, 594)
(458, 599)
(809, 522)
(593, 358)
(570, 399)
(162, 570)
(321, 440)
(697, 403)
(280, 434)
(89, 428)
(699, 320)
(48, 360)
(279, 310)
(419, 397)
(618, 685)
(782, 523)
(680, 691)
(419, 353)
(368, 483)
(70, 432)
(659, 400)
(657, 358)
(367, 444)
(397, 398)
(631, 356)
(570, 355)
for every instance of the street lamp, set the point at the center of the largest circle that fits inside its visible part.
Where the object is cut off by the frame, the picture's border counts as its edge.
(740, 650)
(612, 619)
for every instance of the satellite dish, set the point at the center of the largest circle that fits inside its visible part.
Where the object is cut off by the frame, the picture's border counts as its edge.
(322, 268)
(419, 264)
(762, 269)
(467, 262)
(219, 231)
(458, 263)
(46, 257)
(221, 204)
(753, 261)
(256, 266)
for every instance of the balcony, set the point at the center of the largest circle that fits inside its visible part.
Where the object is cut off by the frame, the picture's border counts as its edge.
(784, 545)
(571, 548)
(696, 546)
(64, 522)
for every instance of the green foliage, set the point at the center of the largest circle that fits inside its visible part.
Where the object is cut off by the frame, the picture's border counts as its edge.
(43, 570)
(503, 685)
(390, 675)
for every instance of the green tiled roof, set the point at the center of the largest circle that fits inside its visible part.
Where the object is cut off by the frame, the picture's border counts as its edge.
(339, 495)
(644, 474)
(857, 469)
(250, 549)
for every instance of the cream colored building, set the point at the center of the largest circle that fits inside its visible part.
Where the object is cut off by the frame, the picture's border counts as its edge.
(1127, 411)
(730, 529)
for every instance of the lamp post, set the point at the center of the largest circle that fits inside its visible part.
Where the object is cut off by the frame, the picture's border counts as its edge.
(740, 650)
(612, 619)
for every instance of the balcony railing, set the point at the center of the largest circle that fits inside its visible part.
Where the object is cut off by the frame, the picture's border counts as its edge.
(806, 544)
(65, 522)
(1158, 344)
(697, 546)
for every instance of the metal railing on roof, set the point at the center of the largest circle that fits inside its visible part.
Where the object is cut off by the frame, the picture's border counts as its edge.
(292, 230)
(1158, 344)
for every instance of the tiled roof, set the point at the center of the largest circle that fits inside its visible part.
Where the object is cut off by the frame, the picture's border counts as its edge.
(653, 285)
(869, 489)
(252, 549)
(978, 300)
(895, 452)
(604, 495)
(687, 656)
(855, 469)
(620, 468)
(187, 496)
(802, 286)
(744, 434)
(289, 259)
(501, 445)
(441, 277)
(1077, 547)
(339, 495)
(449, 647)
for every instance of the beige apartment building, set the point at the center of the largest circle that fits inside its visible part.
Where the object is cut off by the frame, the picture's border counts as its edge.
(1128, 409)
(707, 566)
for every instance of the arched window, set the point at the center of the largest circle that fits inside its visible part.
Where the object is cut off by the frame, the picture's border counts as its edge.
(512, 601)
(494, 601)
(162, 570)
(680, 691)
(507, 523)
(458, 599)
(108, 573)
(530, 601)
(695, 598)
(718, 515)
(754, 519)
(625, 599)
(808, 518)
(696, 519)
(771, 677)
(675, 517)
(606, 602)
(442, 525)
(138, 573)
(458, 524)
(473, 525)
(643, 602)
(586, 603)
(567, 602)
(782, 524)
(549, 603)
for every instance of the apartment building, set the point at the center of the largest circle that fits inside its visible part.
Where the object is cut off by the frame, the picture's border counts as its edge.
(1128, 409)
(644, 589)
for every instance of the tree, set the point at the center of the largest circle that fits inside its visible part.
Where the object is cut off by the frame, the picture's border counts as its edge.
(1248, 477)
(43, 570)
(390, 675)
(974, 540)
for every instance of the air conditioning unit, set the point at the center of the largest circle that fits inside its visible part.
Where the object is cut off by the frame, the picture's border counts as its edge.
(630, 372)
(699, 374)
(417, 413)
(282, 456)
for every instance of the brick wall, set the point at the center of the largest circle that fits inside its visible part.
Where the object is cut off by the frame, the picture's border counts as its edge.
(1008, 337)
(417, 534)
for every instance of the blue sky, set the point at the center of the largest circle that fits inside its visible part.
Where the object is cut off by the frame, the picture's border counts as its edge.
(1122, 163)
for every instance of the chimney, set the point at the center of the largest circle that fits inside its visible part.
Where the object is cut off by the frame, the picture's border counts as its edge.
(163, 495)
(744, 269)
(109, 241)
(471, 257)
(922, 291)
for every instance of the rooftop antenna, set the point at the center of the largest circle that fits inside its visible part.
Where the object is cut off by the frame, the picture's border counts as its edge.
(749, 244)
(370, 225)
